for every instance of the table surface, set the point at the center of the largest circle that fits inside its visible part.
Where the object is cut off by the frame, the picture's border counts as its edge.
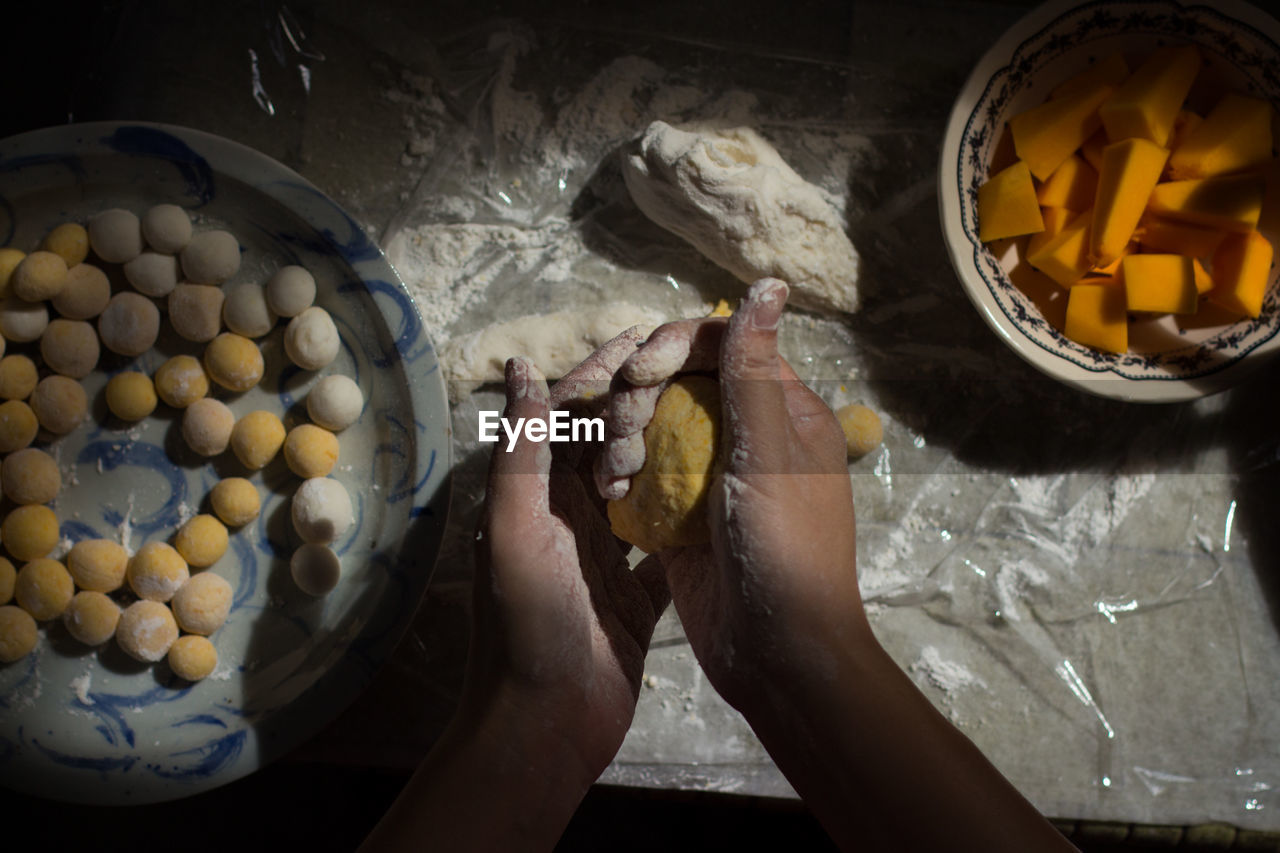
(1085, 587)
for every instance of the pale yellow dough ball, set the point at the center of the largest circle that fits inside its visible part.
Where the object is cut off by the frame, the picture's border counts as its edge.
(18, 633)
(70, 347)
(207, 425)
(8, 575)
(131, 395)
(22, 321)
(256, 439)
(86, 294)
(235, 500)
(30, 476)
(146, 631)
(91, 617)
(201, 541)
(192, 657)
(130, 324)
(233, 361)
(9, 259)
(44, 589)
(310, 451)
(315, 568)
(202, 605)
(18, 377)
(195, 311)
(29, 532)
(863, 431)
(157, 571)
(181, 381)
(98, 564)
(69, 241)
(59, 403)
(40, 275)
(18, 425)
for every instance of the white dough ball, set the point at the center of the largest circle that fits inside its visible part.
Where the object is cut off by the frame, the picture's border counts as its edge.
(130, 324)
(291, 291)
(311, 339)
(207, 425)
(245, 311)
(315, 568)
(22, 322)
(321, 510)
(166, 228)
(116, 235)
(153, 273)
(211, 257)
(335, 402)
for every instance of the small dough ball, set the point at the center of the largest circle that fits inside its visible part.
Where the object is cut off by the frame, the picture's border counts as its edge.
(321, 510)
(233, 361)
(315, 568)
(40, 275)
(311, 339)
(211, 257)
(291, 291)
(22, 321)
(335, 402)
(18, 377)
(8, 575)
(116, 235)
(30, 476)
(195, 311)
(91, 617)
(87, 293)
(70, 347)
(257, 438)
(235, 500)
(246, 313)
(153, 273)
(9, 260)
(130, 324)
(192, 657)
(18, 425)
(166, 228)
(131, 395)
(310, 451)
(44, 589)
(60, 404)
(69, 241)
(201, 541)
(207, 425)
(29, 533)
(202, 605)
(181, 380)
(862, 429)
(146, 631)
(98, 564)
(157, 571)
(18, 633)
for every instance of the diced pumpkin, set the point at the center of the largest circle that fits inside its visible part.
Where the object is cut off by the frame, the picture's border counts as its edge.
(1160, 283)
(1113, 268)
(1180, 238)
(1111, 71)
(1055, 219)
(1046, 135)
(1145, 105)
(1235, 135)
(1007, 205)
(1230, 202)
(1096, 317)
(1130, 170)
(1204, 281)
(1241, 267)
(1072, 185)
(1065, 258)
(1183, 123)
(1091, 151)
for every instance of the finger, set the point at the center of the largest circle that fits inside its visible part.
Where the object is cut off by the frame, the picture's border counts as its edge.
(631, 407)
(681, 346)
(622, 457)
(814, 422)
(757, 426)
(585, 386)
(518, 478)
(652, 578)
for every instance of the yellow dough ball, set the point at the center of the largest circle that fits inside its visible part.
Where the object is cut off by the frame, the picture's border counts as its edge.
(207, 425)
(98, 564)
(256, 439)
(69, 241)
(91, 617)
(39, 276)
(157, 571)
(44, 589)
(862, 429)
(310, 451)
(8, 575)
(59, 403)
(70, 347)
(18, 377)
(201, 541)
(192, 657)
(29, 532)
(233, 361)
(30, 476)
(18, 425)
(131, 395)
(181, 381)
(235, 500)
(146, 630)
(202, 605)
(86, 294)
(667, 502)
(9, 259)
(18, 634)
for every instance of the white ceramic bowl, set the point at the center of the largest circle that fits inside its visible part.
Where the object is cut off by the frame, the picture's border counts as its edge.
(1167, 362)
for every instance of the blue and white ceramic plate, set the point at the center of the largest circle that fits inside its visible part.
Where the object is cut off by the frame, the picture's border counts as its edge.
(92, 725)
(1167, 361)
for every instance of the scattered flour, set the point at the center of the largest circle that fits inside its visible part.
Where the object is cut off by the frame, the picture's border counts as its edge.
(80, 686)
(948, 676)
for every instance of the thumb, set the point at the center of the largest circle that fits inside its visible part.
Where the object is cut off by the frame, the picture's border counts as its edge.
(757, 426)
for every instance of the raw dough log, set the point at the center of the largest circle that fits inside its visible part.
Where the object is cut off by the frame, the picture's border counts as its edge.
(730, 194)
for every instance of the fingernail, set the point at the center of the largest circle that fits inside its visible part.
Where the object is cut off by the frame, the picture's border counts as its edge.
(517, 378)
(767, 298)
